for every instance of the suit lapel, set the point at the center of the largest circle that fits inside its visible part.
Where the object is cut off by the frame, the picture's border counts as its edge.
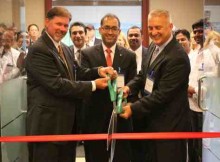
(53, 50)
(117, 57)
(101, 55)
(69, 59)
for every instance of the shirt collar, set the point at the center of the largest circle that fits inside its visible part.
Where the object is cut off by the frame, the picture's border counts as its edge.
(165, 44)
(112, 48)
(76, 49)
(56, 44)
(139, 50)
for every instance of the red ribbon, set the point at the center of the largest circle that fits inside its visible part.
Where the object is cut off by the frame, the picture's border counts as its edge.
(132, 136)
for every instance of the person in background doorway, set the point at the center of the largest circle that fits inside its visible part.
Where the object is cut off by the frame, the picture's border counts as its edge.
(90, 29)
(34, 32)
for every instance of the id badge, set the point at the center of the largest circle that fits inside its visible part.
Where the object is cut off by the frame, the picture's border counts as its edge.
(120, 80)
(149, 85)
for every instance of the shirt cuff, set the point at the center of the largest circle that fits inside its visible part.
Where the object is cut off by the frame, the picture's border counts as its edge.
(93, 86)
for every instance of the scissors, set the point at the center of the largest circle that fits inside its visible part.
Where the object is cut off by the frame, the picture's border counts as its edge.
(113, 120)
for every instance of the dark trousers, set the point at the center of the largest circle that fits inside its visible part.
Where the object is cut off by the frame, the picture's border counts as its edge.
(166, 151)
(139, 146)
(52, 152)
(195, 145)
(95, 151)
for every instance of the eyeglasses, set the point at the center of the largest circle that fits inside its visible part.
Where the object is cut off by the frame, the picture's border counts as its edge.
(114, 29)
(133, 35)
(75, 32)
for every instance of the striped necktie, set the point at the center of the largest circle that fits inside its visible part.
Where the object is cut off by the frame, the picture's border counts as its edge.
(154, 55)
(61, 54)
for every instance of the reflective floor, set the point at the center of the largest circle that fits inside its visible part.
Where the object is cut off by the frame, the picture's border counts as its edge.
(80, 159)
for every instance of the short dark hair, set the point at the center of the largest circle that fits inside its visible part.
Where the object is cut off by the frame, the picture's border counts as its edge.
(58, 11)
(199, 23)
(109, 15)
(184, 32)
(29, 26)
(134, 27)
(20, 34)
(77, 23)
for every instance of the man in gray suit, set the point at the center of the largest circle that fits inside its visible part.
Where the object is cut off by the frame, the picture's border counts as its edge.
(164, 77)
(98, 107)
(52, 89)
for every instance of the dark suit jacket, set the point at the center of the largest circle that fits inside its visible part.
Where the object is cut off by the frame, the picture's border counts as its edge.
(51, 92)
(97, 41)
(98, 107)
(167, 105)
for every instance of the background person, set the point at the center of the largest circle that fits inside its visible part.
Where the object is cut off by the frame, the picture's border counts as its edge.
(90, 29)
(34, 32)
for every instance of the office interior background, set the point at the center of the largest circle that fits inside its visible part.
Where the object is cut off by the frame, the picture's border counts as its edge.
(20, 13)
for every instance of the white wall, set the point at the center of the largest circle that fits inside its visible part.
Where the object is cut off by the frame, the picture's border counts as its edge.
(128, 15)
(184, 12)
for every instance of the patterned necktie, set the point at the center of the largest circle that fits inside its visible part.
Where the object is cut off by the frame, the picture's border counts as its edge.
(64, 60)
(154, 55)
(108, 57)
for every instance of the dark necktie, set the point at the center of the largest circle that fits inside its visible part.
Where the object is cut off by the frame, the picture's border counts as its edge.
(108, 57)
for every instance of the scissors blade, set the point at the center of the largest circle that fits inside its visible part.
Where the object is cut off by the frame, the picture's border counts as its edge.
(110, 130)
(113, 141)
(113, 130)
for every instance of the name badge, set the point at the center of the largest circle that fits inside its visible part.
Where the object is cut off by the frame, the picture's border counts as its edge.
(120, 80)
(149, 85)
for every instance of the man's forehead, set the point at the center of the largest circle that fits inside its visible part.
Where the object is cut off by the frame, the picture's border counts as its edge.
(77, 28)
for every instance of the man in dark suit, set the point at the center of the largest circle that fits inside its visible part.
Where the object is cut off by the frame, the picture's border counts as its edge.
(134, 37)
(98, 108)
(52, 89)
(164, 77)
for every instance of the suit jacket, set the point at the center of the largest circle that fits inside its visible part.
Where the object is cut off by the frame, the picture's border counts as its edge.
(51, 89)
(98, 107)
(167, 105)
(97, 41)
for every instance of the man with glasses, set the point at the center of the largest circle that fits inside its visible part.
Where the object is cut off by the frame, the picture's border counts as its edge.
(98, 108)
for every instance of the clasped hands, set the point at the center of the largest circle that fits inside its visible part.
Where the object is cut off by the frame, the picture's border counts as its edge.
(102, 83)
(105, 73)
